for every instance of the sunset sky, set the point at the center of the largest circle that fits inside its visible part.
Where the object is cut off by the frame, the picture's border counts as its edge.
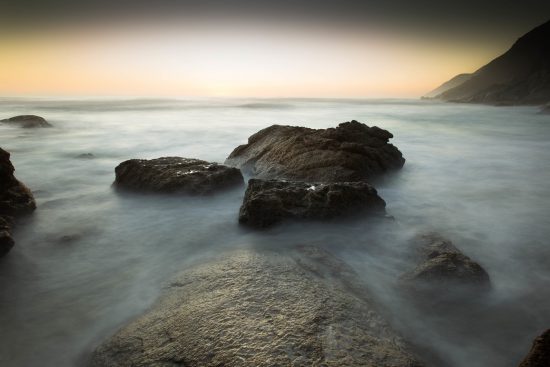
(250, 48)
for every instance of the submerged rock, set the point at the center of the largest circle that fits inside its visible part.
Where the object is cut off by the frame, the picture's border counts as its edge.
(268, 202)
(85, 156)
(350, 152)
(27, 121)
(301, 307)
(176, 175)
(539, 355)
(441, 264)
(15, 200)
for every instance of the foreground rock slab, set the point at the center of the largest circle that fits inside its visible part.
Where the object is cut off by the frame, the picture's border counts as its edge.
(302, 307)
(267, 202)
(176, 175)
(350, 152)
(539, 355)
(27, 121)
(15, 200)
(441, 264)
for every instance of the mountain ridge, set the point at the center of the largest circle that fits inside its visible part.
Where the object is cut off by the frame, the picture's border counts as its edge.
(520, 76)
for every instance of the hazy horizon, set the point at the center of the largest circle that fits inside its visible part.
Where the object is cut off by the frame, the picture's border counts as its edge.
(322, 49)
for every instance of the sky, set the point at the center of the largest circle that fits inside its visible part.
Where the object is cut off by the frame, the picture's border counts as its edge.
(251, 48)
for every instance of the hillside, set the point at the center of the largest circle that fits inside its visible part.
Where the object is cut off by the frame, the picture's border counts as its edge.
(519, 76)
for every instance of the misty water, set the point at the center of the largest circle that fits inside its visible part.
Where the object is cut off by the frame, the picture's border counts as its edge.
(89, 259)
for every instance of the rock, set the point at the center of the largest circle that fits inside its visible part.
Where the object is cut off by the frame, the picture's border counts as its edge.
(350, 152)
(15, 200)
(86, 156)
(539, 355)
(300, 307)
(6, 240)
(176, 175)
(27, 121)
(68, 239)
(545, 109)
(267, 202)
(442, 264)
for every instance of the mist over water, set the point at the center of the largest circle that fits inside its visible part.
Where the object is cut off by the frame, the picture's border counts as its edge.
(90, 258)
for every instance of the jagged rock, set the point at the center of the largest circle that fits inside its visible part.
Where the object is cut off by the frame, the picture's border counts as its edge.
(301, 307)
(440, 263)
(350, 152)
(539, 355)
(267, 202)
(176, 175)
(15, 200)
(27, 121)
(6, 240)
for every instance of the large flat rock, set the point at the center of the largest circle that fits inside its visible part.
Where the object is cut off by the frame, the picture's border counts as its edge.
(176, 175)
(256, 308)
(350, 152)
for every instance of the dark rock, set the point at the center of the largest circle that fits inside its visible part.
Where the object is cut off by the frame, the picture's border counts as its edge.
(440, 263)
(6, 240)
(15, 200)
(300, 307)
(86, 156)
(545, 109)
(176, 175)
(268, 202)
(27, 121)
(351, 152)
(539, 355)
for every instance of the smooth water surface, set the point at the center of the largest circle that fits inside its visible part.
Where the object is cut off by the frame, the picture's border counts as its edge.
(90, 259)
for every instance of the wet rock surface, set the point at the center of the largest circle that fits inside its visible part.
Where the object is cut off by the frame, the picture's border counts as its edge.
(27, 121)
(350, 152)
(303, 307)
(6, 240)
(442, 264)
(176, 175)
(539, 355)
(15, 200)
(267, 202)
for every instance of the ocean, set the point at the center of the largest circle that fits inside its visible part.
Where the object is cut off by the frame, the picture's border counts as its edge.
(90, 258)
